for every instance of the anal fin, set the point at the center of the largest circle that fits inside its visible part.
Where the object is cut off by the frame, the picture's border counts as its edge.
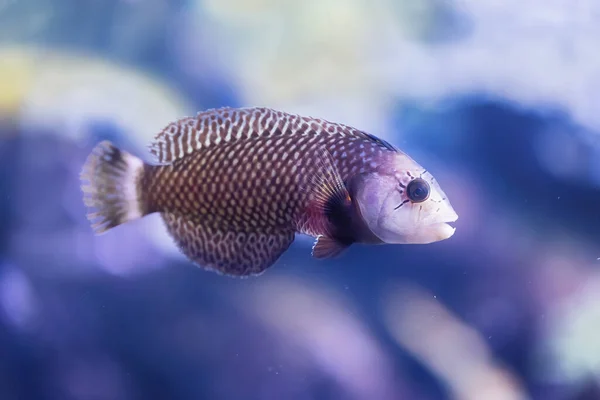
(326, 247)
(228, 252)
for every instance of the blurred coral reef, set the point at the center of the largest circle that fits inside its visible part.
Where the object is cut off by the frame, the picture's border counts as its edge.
(498, 99)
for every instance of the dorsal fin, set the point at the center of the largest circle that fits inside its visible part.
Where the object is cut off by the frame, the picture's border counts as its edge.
(380, 141)
(188, 134)
(215, 126)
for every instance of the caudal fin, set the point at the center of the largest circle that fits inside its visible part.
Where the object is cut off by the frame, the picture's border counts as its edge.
(110, 183)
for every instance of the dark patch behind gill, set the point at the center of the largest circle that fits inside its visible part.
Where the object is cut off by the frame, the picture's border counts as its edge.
(340, 215)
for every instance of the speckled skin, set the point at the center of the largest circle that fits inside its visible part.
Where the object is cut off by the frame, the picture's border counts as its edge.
(234, 185)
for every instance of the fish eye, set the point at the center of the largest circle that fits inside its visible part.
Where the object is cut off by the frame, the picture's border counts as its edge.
(417, 190)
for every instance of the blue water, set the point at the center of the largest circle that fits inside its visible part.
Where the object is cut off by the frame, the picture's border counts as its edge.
(507, 307)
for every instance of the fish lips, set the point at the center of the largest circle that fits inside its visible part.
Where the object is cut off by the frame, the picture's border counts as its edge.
(440, 230)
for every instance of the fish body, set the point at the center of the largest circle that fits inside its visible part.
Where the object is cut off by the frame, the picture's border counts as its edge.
(234, 186)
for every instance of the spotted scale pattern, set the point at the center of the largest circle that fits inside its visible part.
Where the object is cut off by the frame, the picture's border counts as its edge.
(230, 252)
(235, 184)
(212, 127)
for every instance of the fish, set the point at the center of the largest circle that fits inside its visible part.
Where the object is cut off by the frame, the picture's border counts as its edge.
(234, 186)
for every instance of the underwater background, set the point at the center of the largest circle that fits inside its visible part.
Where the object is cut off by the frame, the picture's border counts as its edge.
(499, 100)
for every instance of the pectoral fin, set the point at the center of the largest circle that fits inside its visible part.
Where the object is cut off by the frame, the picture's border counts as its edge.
(326, 184)
(329, 208)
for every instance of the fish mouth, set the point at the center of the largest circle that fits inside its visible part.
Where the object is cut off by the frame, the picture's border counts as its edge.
(443, 230)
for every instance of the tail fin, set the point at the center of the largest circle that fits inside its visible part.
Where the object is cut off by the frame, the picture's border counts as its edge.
(110, 184)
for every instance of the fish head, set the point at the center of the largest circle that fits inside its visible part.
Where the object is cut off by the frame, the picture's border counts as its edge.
(400, 202)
